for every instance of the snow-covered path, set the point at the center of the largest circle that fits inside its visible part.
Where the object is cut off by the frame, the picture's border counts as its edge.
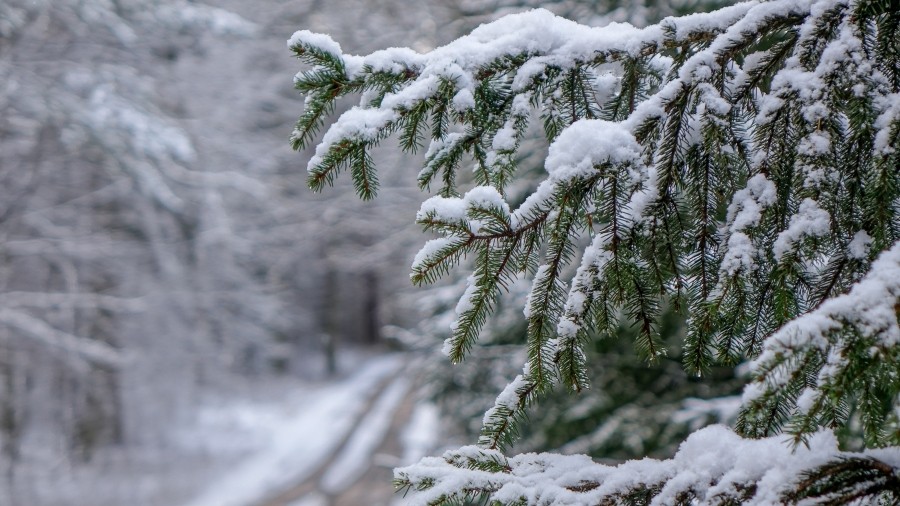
(339, 442)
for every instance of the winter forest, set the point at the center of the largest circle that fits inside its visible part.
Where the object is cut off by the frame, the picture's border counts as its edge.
(449, 252)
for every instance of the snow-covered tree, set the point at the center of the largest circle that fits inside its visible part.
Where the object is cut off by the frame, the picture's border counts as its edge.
(118, 242)
(740, 165)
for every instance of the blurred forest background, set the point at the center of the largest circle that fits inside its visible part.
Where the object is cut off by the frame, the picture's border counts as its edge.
(159, 250)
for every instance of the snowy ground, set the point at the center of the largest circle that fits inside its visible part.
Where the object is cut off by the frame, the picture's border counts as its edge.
(321, 444)
(290, 443)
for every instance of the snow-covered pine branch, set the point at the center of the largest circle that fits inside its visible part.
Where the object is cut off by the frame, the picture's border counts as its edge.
(741, 164)
(713, 466)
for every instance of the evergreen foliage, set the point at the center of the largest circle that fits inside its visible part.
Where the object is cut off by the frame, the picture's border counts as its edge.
(739, 165)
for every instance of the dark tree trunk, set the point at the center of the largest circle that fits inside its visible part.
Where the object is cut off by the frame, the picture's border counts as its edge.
(371, 324)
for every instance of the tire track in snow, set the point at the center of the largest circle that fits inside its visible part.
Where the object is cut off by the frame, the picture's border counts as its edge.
(356, 456)
(360, 470)
(375, 487)
(308, 441)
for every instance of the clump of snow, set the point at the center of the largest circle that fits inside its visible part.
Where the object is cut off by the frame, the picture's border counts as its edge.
(745, 211)
(508, 398)
(318, 40)
(447, 209)
(887, 122)
(358, 124)
(463, 100)
(810, 221)
(454, 209)
(485, 197)
(393, 60)
(746, 207)
(419, 90)
(859, 246)
(588, 143)
(505, 138)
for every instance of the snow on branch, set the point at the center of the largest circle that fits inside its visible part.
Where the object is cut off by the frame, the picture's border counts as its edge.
(713, 466)
(850, 342)
(87, 349)
(740, 164)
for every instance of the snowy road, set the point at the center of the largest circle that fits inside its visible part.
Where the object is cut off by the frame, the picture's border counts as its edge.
(337, 447)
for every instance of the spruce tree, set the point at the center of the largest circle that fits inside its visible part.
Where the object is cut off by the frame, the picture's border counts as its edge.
(740, 166)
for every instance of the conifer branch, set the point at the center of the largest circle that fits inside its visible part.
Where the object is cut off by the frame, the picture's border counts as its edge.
(741, 163)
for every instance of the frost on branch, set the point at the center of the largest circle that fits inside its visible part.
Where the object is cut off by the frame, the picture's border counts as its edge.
(740, 165)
